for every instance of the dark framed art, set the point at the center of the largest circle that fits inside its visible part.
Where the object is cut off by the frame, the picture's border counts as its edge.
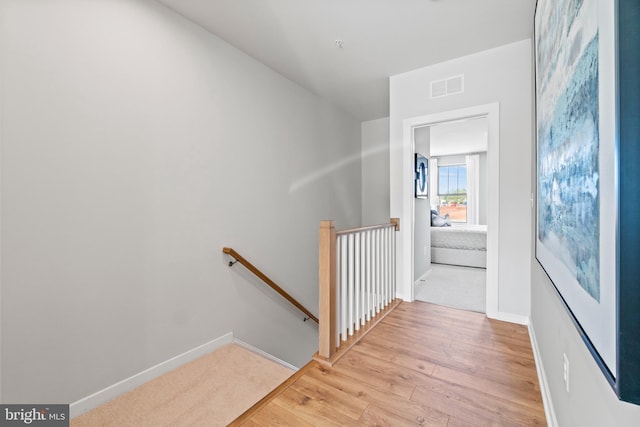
(587, 229)
(422, 177)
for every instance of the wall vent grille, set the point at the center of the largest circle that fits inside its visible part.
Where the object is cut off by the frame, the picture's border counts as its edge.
(446, 87)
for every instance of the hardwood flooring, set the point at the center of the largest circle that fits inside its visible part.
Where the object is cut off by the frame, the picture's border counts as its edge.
(423, 364)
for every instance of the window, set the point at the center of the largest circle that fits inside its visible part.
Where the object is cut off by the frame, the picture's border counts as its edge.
(452, 189)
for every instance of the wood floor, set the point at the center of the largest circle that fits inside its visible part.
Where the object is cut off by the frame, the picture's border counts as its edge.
(423, 364)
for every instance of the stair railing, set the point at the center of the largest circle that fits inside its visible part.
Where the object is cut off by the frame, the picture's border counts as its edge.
(239, 258)
(357, 271)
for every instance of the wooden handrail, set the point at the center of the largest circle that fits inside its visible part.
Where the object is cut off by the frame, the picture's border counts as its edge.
(369, 228)
(239, 258)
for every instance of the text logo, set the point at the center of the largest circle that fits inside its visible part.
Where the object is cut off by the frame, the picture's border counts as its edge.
(34, 415)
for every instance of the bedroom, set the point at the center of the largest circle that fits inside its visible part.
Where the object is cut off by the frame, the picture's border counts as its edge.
(457, 200)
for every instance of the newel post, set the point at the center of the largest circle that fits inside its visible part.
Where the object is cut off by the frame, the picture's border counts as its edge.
(327, 287)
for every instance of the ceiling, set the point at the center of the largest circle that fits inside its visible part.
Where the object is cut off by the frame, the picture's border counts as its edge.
(380, 38)
(459, 137)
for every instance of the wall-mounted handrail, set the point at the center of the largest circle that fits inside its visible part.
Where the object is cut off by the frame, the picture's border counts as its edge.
(239, 258)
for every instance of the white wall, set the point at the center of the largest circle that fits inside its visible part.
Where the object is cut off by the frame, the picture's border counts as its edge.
(591, 402)
(422, 213)
(375, 171)
(135, 145)
(501, 75)
(483, 188)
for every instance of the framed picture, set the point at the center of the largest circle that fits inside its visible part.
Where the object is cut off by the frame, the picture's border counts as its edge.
(585, 137)
(422, 177)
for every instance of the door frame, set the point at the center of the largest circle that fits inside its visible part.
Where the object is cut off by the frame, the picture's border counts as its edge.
(492, 112)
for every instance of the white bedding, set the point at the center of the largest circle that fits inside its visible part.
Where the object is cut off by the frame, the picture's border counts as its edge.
(460, 236)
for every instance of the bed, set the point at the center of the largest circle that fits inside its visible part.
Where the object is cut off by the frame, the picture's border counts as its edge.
(459, 244)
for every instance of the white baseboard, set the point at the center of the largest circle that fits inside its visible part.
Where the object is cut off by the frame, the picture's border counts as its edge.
(425, 275)
(550, 413)
(511, 318)
(264, 354)
(109, 393)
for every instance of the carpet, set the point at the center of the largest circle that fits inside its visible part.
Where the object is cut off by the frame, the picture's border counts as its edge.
(454, 286)
(210, 391)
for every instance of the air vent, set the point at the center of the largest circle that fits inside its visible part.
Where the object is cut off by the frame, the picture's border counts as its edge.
(446, 87)
(438, 88)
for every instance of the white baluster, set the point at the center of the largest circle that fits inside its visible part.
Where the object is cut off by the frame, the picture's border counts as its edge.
(351, 284)
(344, 271)
(369, 275)
(374, 273)
(363, 282)
(338, 287)
(386, 266)
(393, 263)
(380, 270)
(356, 270)
(383, 266)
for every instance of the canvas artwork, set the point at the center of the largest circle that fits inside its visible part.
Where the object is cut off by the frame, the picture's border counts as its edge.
(421, 181)
(587, 232)
(568, 138)
(576, 184)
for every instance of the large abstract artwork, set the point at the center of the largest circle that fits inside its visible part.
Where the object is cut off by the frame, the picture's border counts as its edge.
(568, 140)
(575, 165)
(587, 158)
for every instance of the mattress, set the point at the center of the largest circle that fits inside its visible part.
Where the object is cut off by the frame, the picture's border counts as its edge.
(460, 236)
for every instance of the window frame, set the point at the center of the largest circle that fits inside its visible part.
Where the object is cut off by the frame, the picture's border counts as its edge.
(445, 195)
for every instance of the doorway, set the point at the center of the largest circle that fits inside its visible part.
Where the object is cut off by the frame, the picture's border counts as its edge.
(491, 112)
(453, 272)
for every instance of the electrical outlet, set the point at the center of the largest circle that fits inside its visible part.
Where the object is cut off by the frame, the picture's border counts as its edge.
(565, 373)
